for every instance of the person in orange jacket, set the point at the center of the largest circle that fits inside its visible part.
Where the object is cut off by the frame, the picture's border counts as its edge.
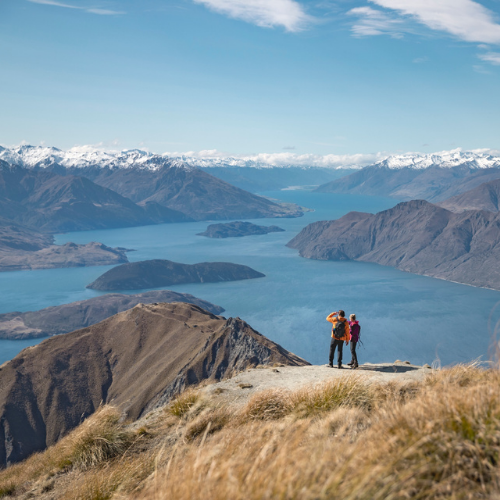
(340, 333)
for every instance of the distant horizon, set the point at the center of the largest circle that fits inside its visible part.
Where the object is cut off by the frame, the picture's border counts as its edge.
(356, 160)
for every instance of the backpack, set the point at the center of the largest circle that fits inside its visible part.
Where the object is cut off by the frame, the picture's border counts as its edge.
(339, 330)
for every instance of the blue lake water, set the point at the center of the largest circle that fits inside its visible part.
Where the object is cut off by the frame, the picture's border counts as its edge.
(403, 316)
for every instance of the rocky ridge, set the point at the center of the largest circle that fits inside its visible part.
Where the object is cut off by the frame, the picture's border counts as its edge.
(66, 318)
(136, 360)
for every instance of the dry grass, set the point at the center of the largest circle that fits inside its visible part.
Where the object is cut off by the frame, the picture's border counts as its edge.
(97, 440)
(183, 403)
(344, 439)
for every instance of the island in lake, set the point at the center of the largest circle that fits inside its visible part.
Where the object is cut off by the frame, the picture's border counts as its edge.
(237, 229)
(156, 273)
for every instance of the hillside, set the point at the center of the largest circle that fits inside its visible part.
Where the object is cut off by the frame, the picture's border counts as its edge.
(66, 318)
(157, 272)
(137, 359)
(484, 197)
(415, 236)
(54, 203)
(287, 432)
(430, 179)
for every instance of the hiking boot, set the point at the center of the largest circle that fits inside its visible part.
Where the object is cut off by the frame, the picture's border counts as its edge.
(353, 367)
(350, 364)
(329, 365)
(340, 366)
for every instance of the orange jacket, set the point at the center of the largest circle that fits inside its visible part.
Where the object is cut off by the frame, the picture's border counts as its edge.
(333, 319)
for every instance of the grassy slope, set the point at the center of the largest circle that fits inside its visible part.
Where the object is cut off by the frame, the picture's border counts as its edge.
(344, 439)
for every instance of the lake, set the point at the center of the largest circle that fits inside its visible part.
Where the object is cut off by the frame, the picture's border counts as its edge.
(403, 316)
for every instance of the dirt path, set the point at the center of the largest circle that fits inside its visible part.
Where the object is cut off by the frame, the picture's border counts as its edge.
(238, 389)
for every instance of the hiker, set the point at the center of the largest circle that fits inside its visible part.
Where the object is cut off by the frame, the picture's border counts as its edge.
(340, 334)
(355, 329)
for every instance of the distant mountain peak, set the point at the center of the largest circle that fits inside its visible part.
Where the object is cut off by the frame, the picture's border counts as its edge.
(444, 159)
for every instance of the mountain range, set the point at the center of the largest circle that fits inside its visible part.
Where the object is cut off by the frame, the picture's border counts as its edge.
(430, 177)
(414, 236)
(54, 203)
(147, 178)
(136, 360)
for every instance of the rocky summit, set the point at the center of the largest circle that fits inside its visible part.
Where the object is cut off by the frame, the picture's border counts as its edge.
(136, 360)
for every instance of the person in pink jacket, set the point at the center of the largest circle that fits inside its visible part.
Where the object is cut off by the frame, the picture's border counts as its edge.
(355, 333)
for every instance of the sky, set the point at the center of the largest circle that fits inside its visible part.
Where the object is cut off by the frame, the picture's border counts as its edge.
(343, 77)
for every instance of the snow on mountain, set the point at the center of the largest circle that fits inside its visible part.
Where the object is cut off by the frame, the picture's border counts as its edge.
(445, 159)
(89, 156)
(86, 156)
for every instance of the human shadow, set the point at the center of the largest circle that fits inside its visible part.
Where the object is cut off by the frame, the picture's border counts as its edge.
(388, 369)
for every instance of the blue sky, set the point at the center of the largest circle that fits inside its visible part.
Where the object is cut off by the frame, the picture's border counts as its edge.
(251, 76)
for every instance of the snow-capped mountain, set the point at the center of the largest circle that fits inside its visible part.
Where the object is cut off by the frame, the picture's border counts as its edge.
(445, 159)
(89, 156)
(86, 156)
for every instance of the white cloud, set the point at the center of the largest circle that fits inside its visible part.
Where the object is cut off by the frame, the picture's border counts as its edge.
(491, 57)
(101, 12)
(285, 158)
(466, 19)
(375, 22)
(265, 13)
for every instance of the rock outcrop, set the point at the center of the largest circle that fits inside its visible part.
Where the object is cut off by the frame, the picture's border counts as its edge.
(415, 236)
(156, 273)
(76, 315)
(137, 360)
(237, 229)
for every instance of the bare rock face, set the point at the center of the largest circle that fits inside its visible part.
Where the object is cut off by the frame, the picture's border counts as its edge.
(137, 359)
(69, 317)
(237, 229)
(415, 236)
(157, 272)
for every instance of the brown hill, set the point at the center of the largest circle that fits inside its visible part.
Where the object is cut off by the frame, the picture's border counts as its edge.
(158, 272)
(137, 359)
(484, 197)
(69, 317)
(415, 236)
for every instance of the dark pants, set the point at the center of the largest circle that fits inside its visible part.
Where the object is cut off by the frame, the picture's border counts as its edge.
(354, 357)
(334, 344)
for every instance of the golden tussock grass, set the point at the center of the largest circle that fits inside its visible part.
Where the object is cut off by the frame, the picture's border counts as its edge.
(344, 439)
